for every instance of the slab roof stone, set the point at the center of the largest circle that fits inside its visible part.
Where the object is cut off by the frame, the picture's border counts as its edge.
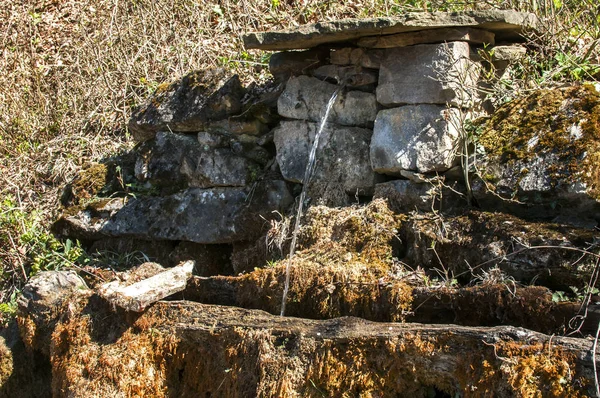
(507, 25)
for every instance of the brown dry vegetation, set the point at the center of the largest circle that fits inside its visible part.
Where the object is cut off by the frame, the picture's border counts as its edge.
(71, 72)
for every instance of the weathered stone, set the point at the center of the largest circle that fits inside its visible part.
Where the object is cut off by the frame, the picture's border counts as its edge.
(507, 53)
(366, 58)
(213, 140)
(137, 295)
(218, 215)
(306, 98)
(180, 161)
(474, 36)
(343, 155)
(238, 126)
(541, 156)
(188, 104)
(404, 196)
(422, 138)
(283, 65)
(429, 74)
(350, 76)
(507, 25)
(40, 298)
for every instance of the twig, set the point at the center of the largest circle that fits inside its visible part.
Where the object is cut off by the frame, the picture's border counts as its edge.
(594, 361)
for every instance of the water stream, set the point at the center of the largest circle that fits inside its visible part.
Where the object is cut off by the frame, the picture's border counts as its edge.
(310, 167)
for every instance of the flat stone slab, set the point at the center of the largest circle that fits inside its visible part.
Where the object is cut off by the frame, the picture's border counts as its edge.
(507, 25)
(469, 35)
(217, 215)
(139, 295)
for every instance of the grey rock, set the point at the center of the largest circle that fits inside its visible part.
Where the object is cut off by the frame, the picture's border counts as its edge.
(285, 64)
(188, 104)
(306, 98)
(342, 155)
(539, 157)
(428, 74)
(213, 140)
(474, 36)
(350, 76)
(366, 58)
(178, 160)
(507, 25)
(41, 297)
(421, 138)
(507, 53)
(218, 215)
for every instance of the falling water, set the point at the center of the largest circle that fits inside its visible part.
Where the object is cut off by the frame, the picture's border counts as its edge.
(307, 175)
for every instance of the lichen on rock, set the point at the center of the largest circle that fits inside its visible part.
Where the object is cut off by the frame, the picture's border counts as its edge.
(543, 150)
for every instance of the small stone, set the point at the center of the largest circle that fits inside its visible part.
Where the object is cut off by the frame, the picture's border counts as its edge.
(420, 138)
(306, 98)
(285, 64)
(350, 76)
(366, 58)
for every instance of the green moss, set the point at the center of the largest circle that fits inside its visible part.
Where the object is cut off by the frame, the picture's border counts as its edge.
(90, 182)
(564, 123)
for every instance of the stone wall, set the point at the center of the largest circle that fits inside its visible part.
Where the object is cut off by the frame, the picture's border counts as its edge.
(216, 161)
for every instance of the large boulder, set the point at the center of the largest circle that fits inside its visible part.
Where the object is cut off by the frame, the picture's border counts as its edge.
(421, 138)
(181, 161)
(541, 156)
(188, 104)
(428, 74)
(342, 156)
(217, 215)
(306, 98)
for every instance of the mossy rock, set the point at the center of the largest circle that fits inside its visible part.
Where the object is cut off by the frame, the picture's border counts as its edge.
(542, 153)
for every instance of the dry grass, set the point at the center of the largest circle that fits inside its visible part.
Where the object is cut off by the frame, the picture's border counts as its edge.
(71, 71)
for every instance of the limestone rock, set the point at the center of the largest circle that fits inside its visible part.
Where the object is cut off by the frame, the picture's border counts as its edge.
(217, 215)
(350, 76)
(136, 296)
(422, 138)
(178, 160)
(541, 156)
(366, 58)
(428, 74)
(187, 105)
(507, 25)
(342, 155)
(306, 98)
(285, 64)
(42, 295)
(474, 36)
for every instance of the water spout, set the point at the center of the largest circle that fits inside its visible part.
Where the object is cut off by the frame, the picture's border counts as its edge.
(307, 176)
